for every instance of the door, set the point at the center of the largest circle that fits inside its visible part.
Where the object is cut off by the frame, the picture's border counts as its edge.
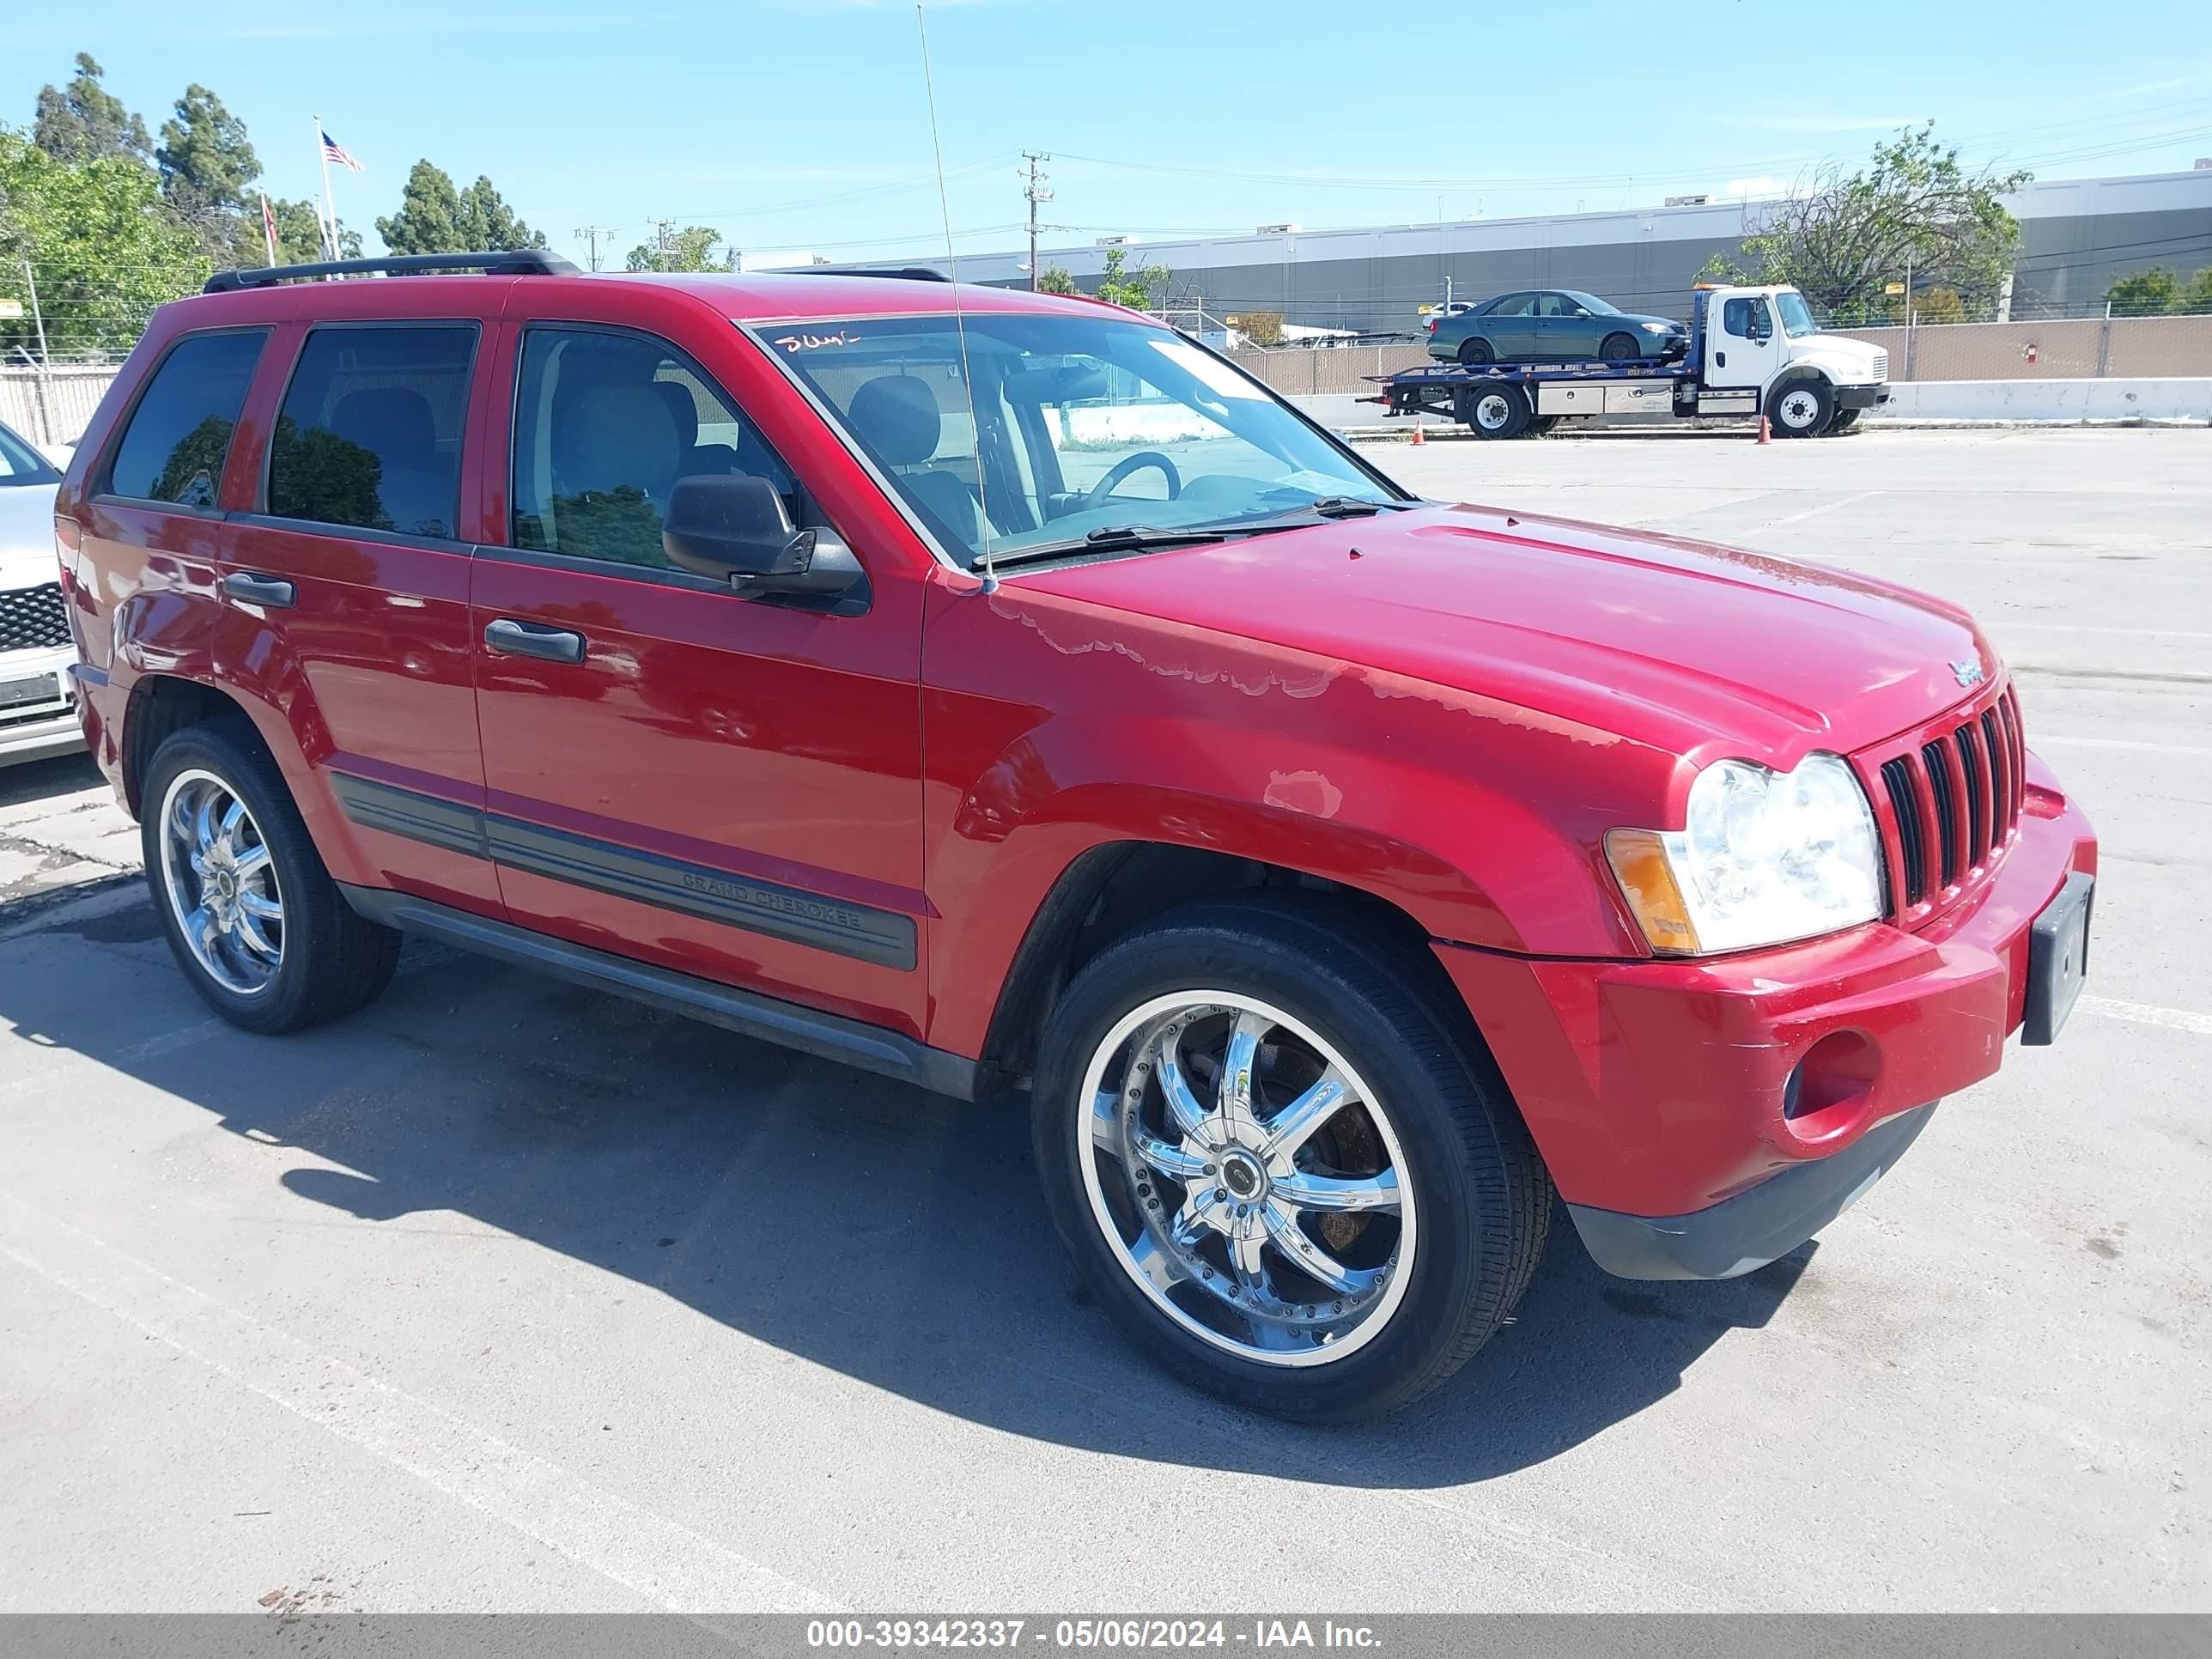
(1509, 325)
(728, 786)
(348, 577)
(1563, 327)
(1745, 349)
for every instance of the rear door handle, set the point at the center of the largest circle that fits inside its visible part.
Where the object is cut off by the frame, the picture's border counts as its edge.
(511, 638)
(251, 589)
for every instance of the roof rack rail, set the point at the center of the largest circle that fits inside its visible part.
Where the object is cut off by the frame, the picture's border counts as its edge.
(514, 262)
(903, 273)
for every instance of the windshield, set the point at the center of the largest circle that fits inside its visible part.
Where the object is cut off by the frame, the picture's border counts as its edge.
(20, 464)
(1088, 424)
(1592, 304)
(1796, 315)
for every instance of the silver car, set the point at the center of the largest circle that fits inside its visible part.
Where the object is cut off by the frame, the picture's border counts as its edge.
(1546, 325)
(38, 709)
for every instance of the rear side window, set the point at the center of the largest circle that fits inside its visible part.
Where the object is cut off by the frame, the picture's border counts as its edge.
(369, 436)
(179, 434)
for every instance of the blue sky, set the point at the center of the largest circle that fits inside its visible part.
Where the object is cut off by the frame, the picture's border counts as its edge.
(801, 124)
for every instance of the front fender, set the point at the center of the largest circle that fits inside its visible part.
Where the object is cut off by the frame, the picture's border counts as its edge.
(1053, 727)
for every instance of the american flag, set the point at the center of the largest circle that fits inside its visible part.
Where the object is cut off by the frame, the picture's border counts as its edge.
(333, 152)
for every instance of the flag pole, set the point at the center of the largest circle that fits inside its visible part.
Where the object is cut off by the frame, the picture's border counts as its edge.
(329, 210)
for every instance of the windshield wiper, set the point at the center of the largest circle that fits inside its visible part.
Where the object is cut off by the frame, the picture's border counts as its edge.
(1106, 538)
(1356, 507)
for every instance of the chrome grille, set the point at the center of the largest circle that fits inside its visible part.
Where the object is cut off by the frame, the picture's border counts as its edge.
(32, 618)
(1954, 797)
(1880, 365)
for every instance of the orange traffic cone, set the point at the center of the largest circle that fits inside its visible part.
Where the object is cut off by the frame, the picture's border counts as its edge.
(1418, 430)
(1766, 432)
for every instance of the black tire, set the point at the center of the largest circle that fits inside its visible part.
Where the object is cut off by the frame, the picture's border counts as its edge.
(332, 960)
(1801, 408)
(1493, 408)
(1473, 353)
(1482, 1193)
(1619, 348)
(1845, 420)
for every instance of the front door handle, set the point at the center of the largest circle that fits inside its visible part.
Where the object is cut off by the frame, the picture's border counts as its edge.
(251, 589)
(511, 638)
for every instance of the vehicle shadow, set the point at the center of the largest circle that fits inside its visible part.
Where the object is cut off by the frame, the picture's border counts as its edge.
(856, 1223)
(41, 780)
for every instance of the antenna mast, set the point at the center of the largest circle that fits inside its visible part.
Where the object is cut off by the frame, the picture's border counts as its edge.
(959, 322)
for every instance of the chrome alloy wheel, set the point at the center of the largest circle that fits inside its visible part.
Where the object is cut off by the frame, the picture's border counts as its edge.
(1798, 409)
(222, 883)
(1247, 1180)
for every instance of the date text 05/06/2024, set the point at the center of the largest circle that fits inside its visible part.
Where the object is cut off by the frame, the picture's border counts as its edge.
(1131, 1635)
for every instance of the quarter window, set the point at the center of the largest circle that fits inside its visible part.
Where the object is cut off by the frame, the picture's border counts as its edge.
(370, 434)
(178, 437)
(605, 424)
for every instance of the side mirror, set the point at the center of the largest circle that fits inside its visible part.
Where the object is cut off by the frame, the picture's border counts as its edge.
(733, 527)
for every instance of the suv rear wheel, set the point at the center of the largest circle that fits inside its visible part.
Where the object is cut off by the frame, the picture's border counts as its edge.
(252, 915)
(1280, 1165)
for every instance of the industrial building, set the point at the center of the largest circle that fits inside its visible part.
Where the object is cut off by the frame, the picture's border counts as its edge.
(2078, 235)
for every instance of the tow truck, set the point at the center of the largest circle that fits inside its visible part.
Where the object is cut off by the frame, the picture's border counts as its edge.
(1752, 352)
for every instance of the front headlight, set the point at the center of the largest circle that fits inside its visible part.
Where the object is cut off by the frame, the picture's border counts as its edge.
(1657, 328)
(1764, 858)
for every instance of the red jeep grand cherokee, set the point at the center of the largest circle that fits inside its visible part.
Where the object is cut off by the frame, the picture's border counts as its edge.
(986, 688)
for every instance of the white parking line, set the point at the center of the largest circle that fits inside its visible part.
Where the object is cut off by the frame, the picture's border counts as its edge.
(647, 1552)
(2147, 1013)
(1825, 507)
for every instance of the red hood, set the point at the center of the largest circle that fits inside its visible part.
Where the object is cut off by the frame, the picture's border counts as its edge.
(1679, 644)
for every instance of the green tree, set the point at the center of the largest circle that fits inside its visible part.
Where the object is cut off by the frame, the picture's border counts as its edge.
(436, 217)
(1912, 214)
(2146, 294)
(85, 122)
(205, 156)
(691, 249)
(104, 249)
(2197, 296)
(300, 233)
(1135, 290)
(1262, 328)
(1054, 279)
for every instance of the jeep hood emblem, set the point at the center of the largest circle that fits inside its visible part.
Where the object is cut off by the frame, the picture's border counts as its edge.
(1967, 671)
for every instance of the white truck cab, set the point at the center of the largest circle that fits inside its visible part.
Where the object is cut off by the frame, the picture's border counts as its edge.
(1762, 351)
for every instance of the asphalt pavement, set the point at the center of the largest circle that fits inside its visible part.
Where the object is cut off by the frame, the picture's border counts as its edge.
(505, 1296)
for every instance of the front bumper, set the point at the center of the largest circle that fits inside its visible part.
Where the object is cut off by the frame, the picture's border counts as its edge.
(1862, 397)
(1665, 1095)
(35, 730)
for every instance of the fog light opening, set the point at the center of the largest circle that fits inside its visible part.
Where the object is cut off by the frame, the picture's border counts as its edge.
(1832, 1084)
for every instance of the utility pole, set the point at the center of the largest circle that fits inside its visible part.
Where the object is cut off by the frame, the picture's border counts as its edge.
(592, 233)
(1038, 191)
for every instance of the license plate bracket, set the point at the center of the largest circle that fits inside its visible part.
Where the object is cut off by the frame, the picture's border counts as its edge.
(2057, 959)
(29, 692)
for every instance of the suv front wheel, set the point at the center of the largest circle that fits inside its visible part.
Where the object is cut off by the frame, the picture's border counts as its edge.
(1280, 1165)
(252, 915)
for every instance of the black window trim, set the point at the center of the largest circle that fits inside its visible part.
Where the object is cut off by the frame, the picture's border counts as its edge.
(259, 513)
(546, 558)
(103, 475)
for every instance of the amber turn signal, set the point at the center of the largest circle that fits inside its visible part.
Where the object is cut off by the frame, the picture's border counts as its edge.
(1647, 881)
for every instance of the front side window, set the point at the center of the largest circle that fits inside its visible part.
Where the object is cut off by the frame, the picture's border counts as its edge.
(605, 424)
(1747, 319)
(178, 437)
(369, 436)
(1039, 427)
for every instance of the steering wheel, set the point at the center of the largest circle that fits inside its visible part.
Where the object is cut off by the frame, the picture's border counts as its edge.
(1097, 494)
